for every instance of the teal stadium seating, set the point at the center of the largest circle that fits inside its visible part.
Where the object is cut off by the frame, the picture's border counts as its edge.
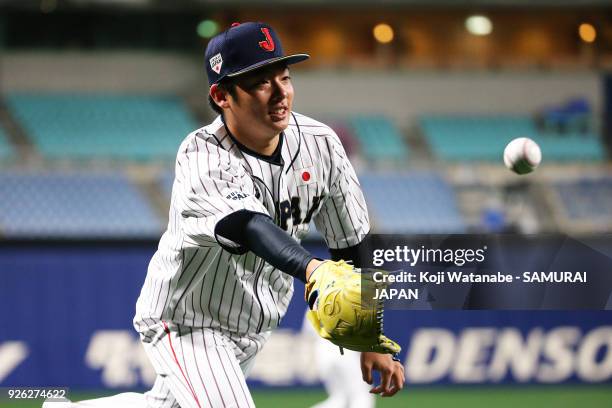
(419, 202)
(379, 138)
(483, 138)
(71, 205)
(86, 126)
(6, 150)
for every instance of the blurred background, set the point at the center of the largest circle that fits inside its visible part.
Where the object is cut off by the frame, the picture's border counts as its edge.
(96, 96)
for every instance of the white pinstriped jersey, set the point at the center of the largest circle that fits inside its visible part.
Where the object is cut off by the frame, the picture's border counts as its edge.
(193, 281)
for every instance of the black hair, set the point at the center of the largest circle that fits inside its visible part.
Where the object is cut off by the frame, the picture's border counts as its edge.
(230, 87)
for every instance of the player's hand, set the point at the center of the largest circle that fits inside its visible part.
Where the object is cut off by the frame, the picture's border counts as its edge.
(343, 308)
(391, 373)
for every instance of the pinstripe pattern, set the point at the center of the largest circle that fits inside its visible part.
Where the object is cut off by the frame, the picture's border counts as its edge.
(195, 283)
(197, 368)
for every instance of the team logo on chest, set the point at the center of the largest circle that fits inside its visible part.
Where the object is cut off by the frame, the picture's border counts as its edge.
(291, 209)
(215, 63)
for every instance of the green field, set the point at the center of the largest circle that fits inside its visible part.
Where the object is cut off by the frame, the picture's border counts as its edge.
(499, 397)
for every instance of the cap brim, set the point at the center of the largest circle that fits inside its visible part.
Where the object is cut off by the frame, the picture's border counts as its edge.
(289, 59)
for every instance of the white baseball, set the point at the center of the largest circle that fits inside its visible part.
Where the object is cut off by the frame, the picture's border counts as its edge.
(522, 155)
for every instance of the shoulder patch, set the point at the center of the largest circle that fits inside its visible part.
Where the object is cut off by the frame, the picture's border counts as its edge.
(234, 195)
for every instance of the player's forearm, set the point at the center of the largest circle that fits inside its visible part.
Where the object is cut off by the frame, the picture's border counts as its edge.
(352, 254)
(258, 234)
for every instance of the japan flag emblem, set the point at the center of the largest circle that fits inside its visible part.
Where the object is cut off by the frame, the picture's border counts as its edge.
(215, 63)
(305, 176)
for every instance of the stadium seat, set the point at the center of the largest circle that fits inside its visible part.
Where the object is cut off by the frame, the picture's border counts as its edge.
(70, 205)
(165, 182)
(379, 138)
(6, 150)
(575, 116)
(419, 202)
(84, 126)
(483, 138)
(588, 199)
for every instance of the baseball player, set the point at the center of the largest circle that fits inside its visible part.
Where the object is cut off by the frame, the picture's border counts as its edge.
(245, 191)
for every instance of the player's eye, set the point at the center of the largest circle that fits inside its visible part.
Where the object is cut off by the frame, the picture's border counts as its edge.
(256, 84)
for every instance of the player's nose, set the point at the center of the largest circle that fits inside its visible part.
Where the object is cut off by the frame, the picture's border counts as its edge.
(281, 90)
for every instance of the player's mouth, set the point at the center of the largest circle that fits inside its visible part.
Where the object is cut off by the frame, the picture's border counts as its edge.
(278, 113)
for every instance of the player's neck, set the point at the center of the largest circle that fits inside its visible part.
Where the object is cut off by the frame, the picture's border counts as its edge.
(264, 144)
(265, 147)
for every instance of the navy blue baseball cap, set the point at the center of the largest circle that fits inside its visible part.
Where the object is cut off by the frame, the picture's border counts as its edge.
(243, 48)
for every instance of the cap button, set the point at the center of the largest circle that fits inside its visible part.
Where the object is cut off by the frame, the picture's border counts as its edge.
(235, 24)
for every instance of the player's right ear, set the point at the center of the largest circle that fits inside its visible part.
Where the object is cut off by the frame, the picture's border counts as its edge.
(220, 96)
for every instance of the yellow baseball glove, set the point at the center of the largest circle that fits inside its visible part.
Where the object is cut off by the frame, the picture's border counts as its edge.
(343, 311)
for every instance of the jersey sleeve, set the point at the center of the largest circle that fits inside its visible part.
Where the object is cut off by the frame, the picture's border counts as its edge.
(343, 218)
(210, 185)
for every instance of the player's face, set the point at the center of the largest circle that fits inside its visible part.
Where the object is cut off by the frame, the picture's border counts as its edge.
(263, 101)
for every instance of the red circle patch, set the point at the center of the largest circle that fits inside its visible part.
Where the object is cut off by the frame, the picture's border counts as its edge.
(305, 176)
